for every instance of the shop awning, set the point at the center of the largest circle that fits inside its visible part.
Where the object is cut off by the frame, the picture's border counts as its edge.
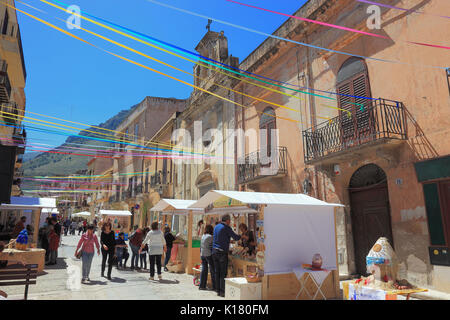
(82, 214)
(29, 203)
(115, 212)
(245, 198)
(51, 211)
(175, 206)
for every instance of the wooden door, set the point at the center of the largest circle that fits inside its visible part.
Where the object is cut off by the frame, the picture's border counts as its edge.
(444, 195)
(357, 126)
(370, 221)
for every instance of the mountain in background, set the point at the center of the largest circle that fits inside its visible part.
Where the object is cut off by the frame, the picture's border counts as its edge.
(54, 164)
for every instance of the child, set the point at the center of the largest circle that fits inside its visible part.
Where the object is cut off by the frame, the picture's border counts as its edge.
(121, 251)
(143, 257)
(53, 240)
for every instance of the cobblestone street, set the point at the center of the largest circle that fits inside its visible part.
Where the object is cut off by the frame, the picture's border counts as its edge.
(54, 284)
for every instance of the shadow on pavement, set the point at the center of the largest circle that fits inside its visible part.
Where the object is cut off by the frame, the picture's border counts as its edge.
(60, 264)
(94, 282)
(118, 280)
(168, 281)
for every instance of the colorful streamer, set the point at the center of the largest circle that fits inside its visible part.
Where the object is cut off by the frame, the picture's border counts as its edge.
(338, 27)
(203, 58)
(403, 9)
(289, 40)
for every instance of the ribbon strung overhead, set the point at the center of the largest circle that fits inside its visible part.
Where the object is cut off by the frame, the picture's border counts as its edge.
(203, 58)
(403, 9)
(289, 40)
(336, 26)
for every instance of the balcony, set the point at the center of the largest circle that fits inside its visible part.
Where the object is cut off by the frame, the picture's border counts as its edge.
(252, 169)
(380, 121)
(5, 85)
(159, 178)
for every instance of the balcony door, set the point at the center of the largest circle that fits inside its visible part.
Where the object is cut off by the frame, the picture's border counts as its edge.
(267, 127)
(357, 124)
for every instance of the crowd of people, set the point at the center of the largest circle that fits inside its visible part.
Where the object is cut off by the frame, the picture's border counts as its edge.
(151, 241)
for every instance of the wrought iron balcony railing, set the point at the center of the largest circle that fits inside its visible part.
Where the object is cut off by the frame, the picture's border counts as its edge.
(253, 167)
(5, 85)
(377, 120)
(159, 178)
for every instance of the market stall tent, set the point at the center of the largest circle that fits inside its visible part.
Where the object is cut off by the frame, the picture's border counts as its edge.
(181, 207)
(122, 215)
(295, 226)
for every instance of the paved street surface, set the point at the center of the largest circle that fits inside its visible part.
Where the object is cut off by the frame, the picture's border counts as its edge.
(59, 283)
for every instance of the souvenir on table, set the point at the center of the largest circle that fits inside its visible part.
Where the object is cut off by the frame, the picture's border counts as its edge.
(22, 240)
(382, 261)
(316, 261)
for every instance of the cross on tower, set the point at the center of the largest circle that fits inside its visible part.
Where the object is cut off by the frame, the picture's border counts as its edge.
(209, 24)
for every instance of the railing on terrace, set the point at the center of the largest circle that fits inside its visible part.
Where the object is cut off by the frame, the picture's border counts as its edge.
(252, 167)
(376, 120)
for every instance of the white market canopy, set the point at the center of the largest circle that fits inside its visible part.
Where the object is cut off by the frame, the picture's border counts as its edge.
(82, 214)
(29, 203)
(50, 211)
(261, 198)
(115, 212)
(175, 206)
(296, 226)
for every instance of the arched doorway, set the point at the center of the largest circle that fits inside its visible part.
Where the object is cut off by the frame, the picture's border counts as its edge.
(371, 218)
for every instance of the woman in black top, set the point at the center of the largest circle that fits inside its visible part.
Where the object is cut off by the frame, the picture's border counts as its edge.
(169, 243)
(108, 243)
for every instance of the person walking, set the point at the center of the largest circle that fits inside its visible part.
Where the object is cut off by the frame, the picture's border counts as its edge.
(53, 240)
(80, 227)
(121, 251)
(73, 228)
(108, 242)
(66, 226)
(221, 245)
(86, 243)
(170, 238)
(135, 243)
(207, 260)
(144, 252)
(156, 246)
(85, 224)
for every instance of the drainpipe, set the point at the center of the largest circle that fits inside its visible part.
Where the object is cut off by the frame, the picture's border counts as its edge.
(312, 110)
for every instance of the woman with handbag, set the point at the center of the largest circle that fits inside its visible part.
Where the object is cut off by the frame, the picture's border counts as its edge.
(108, 242)
(86, 253)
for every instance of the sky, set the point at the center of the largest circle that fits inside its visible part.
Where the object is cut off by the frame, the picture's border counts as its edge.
(69, 79)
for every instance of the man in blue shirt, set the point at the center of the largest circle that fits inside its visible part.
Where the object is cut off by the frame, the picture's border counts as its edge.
(221, 244)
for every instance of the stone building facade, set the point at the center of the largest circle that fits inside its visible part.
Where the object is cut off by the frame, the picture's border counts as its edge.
(12, 102)
(373, 155)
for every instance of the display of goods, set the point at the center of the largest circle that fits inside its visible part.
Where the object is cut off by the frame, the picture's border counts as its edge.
(252, 277)
(317, 261)
(381, 253)
(22, 238)
(260, 259)
(21, 246)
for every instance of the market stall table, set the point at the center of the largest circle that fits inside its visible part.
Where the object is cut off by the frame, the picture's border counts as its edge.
(29, 256)
(353, 291)
(306, 274)
(291, 229)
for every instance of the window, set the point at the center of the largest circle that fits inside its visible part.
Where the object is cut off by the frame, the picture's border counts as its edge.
(267, 123)
(353, 80)
(448, 78)
(5, 23)
(136, 132)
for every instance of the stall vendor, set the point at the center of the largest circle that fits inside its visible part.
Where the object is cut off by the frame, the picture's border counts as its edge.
(247, 239)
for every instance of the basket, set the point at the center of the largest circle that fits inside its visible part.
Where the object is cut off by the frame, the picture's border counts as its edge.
(176, 268)
(21, 246)
(252, 278)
